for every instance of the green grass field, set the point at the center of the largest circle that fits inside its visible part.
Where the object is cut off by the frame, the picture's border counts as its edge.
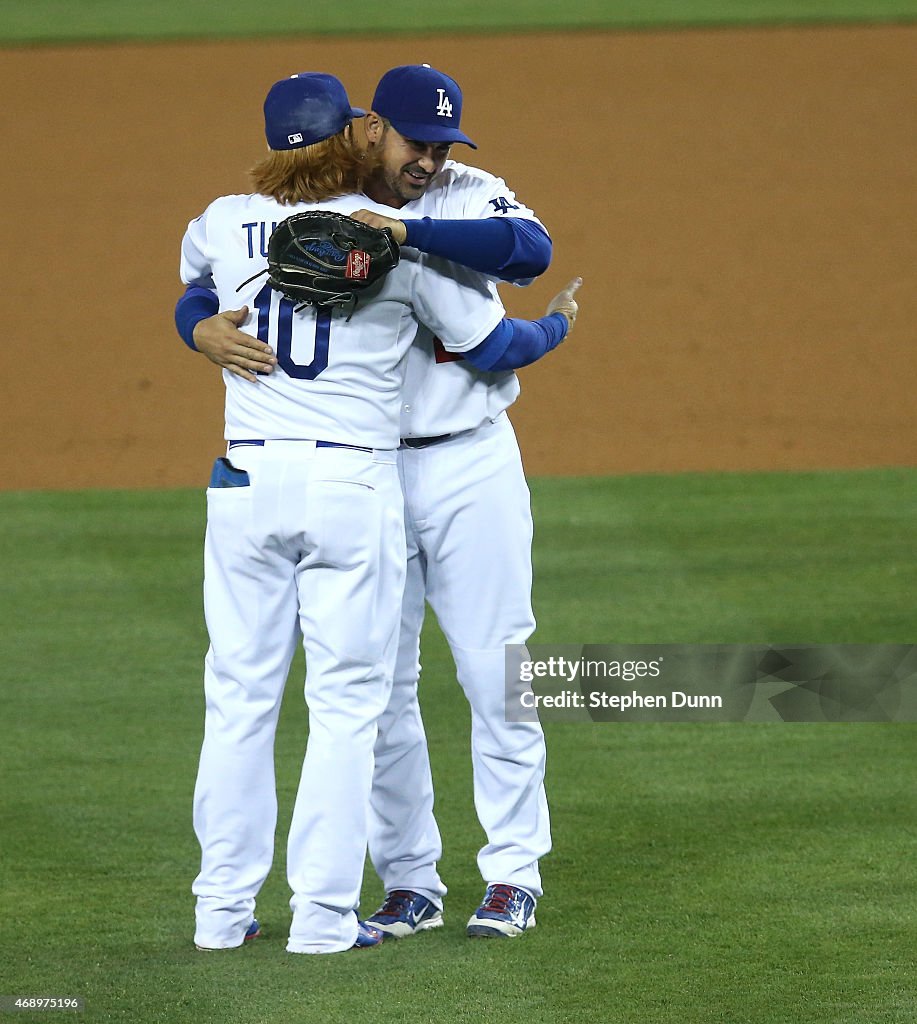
(734, 873)
(53, 20)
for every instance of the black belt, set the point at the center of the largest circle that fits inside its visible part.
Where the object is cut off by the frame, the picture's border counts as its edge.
(258, 443)
(424, 442)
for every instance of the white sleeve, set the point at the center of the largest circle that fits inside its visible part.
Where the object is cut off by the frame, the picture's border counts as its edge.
(481, 194)
(195, 263)
(460, 306)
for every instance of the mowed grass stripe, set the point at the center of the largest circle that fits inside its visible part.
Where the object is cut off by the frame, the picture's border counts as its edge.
(90, 20)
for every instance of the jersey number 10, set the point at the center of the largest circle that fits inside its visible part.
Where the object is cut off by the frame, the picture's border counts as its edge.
(285, 324)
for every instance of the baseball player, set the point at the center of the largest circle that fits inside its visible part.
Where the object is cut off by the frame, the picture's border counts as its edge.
(305, 532)
(468, 509)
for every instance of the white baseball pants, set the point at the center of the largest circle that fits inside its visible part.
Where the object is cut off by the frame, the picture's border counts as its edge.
(469, 537)
(315, 543)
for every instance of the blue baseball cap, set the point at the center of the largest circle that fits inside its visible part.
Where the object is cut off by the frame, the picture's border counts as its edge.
(306, 108)
(421, 103)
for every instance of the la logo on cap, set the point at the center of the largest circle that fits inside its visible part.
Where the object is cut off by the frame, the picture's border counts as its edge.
(422, 104)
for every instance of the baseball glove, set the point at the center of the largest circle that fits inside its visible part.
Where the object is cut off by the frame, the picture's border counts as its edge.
(327, 259)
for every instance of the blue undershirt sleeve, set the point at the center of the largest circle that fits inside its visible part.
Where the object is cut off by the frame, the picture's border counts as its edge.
(515, 343)
(532, 251)
(509, 248)
(195, 305)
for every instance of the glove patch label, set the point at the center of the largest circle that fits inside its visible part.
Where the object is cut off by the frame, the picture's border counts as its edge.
(358, 265)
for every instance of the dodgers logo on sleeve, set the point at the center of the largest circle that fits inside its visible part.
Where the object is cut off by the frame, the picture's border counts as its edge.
(502, 205)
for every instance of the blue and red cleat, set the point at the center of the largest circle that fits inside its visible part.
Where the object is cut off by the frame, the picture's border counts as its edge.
(252, 932)
(367, 936)
(506, 912)
(405, 913)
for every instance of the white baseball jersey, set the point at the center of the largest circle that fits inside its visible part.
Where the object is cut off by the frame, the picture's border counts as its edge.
(466, 509)
(444, 394)
(332, 382)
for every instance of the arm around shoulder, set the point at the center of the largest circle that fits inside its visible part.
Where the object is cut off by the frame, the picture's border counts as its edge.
(512, 249)
(508, 248)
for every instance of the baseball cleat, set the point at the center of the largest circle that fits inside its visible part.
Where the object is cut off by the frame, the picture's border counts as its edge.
(405, 913)
(367, 936)
(252, 932)
(506, 912)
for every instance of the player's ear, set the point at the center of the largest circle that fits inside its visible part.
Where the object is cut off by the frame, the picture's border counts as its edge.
(374, 127)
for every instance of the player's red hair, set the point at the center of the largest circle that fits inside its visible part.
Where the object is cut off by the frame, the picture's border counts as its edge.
(310, 174)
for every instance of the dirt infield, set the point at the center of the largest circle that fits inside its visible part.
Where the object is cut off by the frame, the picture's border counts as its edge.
(739, 203)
